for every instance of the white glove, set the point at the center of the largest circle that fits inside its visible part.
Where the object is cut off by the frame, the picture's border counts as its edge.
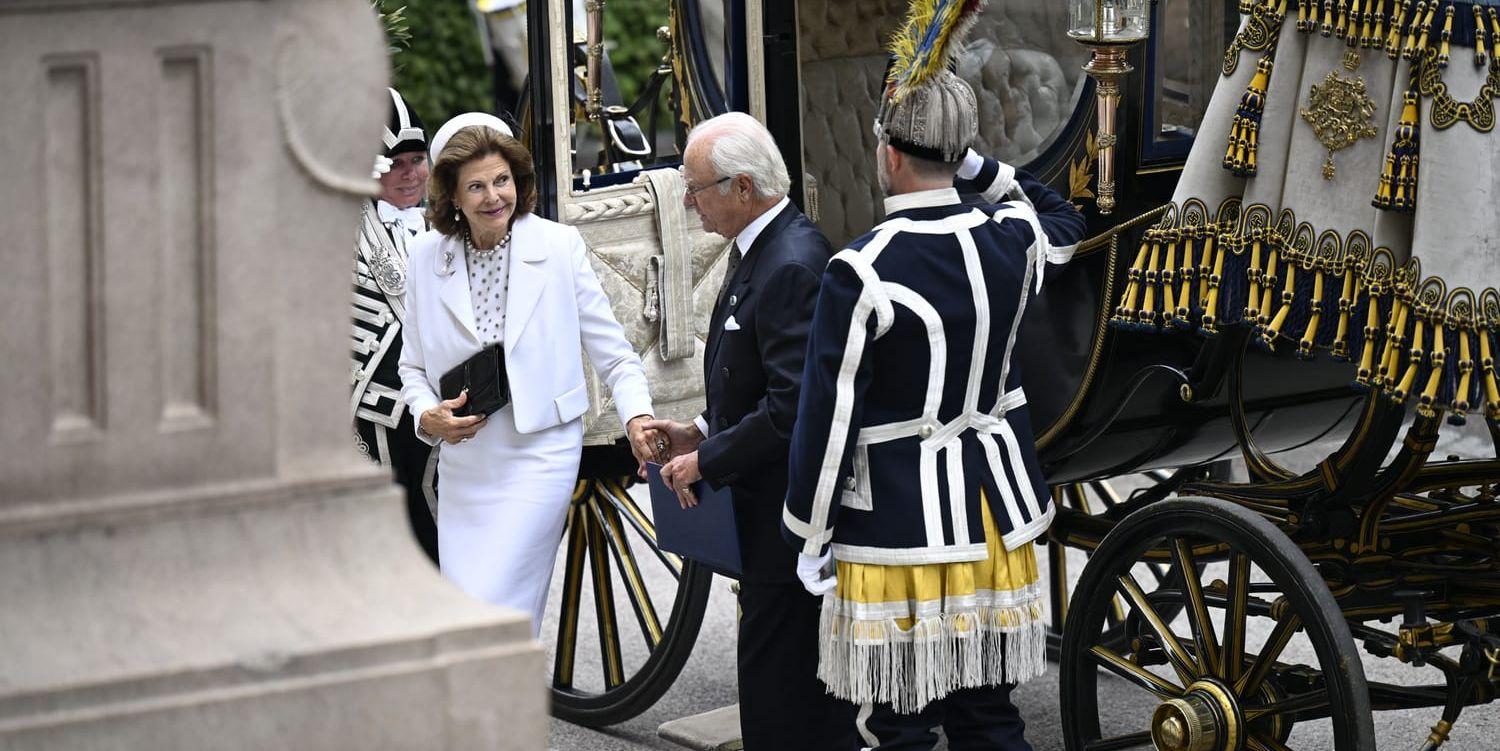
(382, 165)
(817, 573)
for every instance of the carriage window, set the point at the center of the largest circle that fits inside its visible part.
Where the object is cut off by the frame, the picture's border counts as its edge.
(1028, 75)
(1186, 51)
(641, 72)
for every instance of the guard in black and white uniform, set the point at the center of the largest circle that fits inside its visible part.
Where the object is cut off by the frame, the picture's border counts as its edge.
(382, 424)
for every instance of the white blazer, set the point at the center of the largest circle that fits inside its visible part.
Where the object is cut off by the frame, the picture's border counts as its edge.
(554, 307)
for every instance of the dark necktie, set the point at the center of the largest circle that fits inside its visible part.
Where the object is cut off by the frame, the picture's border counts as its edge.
(733, 263)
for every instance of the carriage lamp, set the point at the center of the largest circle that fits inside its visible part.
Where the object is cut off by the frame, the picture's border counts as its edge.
(1108, 28)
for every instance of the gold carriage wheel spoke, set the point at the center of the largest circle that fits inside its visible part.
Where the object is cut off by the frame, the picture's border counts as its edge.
(612, 662)
(626, 505)
(635, 585)
(1198, 616)
(1265, 743)
(567, 620)
(1234, 617)
(1176, 655)
(1115, 663)
(1275, 644)
(1130, 740)
(1299, 703)
(1107, 492)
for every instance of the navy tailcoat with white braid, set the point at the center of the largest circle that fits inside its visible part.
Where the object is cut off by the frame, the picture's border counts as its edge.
(910, 402)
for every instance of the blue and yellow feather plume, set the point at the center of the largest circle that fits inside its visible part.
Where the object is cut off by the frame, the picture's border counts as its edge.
(927, 41)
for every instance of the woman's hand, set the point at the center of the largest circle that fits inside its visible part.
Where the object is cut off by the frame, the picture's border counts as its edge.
(647, 443)
(440, 423)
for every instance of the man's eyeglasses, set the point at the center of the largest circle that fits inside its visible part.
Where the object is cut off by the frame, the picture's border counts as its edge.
(691, 191)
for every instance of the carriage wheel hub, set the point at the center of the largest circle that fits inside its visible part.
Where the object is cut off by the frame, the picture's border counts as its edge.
(1203, 719)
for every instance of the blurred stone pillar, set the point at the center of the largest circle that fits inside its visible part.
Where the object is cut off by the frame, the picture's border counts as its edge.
(192, 555)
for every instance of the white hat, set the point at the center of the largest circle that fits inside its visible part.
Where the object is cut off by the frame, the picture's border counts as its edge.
(459, 122)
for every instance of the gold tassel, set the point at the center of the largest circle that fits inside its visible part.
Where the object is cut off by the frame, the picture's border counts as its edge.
(1206, 262)
(1395, 336)
(1147, 313)
(1168, 279)
(1465, 372)
(1424, 33)
(1366, 373)
(1375, 25)
(1246, 6)
(1494, 35)
(1302, 24)
(1356, 16)
(1244, 134)
(1412, 30)
(1187, 272)
(1439, 361)
(1305, 347)
(1408, 378)
(1491, 387)
(1267, 286)
(1398, 179)
(1288, 294)
(1341, 23)
(1340, 347)
(1327, 28)
(1481, 40)
(1211, 308)
(1446, 36)
(1126, 311)
(1254, 274)
(1398, 18)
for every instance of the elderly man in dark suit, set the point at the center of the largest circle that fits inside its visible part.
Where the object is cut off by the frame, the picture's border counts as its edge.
(736, 179)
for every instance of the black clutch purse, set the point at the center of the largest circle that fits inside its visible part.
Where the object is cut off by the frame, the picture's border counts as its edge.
(484, 376)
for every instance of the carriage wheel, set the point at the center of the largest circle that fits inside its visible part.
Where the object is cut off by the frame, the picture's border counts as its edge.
(1224, 674)
(1105, 498)
(643, 603)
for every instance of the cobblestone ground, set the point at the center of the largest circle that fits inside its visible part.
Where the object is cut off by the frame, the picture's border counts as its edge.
(707, 683)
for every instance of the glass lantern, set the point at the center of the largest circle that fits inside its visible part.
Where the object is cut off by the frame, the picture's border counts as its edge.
(1108, 28)
(1121, 22)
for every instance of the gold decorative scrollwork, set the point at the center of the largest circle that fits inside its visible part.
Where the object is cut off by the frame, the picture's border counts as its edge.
(1340, 113)
(1257, 36)
(1447, 111)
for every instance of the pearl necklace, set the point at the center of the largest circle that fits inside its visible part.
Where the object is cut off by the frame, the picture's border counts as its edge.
(469, 245)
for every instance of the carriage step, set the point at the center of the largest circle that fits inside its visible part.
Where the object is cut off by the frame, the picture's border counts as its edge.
(715, 730)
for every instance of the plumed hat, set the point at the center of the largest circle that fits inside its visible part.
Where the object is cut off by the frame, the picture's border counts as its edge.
(403, 129)
(926, 110)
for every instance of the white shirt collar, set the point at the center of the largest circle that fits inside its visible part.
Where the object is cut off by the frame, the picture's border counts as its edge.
(411, 219)
(922, 199)
(746, 238)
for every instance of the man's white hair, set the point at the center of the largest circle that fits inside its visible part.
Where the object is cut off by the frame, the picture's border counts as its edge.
(740, 145)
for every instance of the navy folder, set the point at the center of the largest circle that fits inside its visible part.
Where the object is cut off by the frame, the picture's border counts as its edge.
(705, 533)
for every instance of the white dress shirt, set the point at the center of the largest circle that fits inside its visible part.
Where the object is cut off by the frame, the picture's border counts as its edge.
(743, 242)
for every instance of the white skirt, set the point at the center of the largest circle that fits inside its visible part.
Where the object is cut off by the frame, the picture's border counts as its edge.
(502, 501)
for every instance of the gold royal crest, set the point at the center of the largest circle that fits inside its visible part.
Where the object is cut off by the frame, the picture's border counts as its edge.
(1340, 113)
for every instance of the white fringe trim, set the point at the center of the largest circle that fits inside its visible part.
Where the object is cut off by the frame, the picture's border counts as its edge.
(865, 661)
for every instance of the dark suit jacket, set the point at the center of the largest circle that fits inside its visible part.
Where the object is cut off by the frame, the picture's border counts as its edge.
(753, 376)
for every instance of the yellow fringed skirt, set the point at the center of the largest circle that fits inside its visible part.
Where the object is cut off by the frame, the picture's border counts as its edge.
(910, 635)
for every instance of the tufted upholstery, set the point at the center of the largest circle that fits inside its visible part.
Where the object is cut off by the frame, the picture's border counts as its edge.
(1025, 71)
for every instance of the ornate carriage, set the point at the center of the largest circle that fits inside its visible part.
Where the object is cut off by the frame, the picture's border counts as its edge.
(1214, 320)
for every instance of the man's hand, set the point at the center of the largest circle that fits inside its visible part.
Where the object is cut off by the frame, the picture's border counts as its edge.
(680, 474)
(440, 423)
(682, 437)
(817, 573)
(645, 442)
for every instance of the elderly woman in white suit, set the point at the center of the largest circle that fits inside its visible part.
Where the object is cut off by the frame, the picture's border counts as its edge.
(492, 272)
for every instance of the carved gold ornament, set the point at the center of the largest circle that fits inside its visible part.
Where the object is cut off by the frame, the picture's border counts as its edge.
(1340, 113)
